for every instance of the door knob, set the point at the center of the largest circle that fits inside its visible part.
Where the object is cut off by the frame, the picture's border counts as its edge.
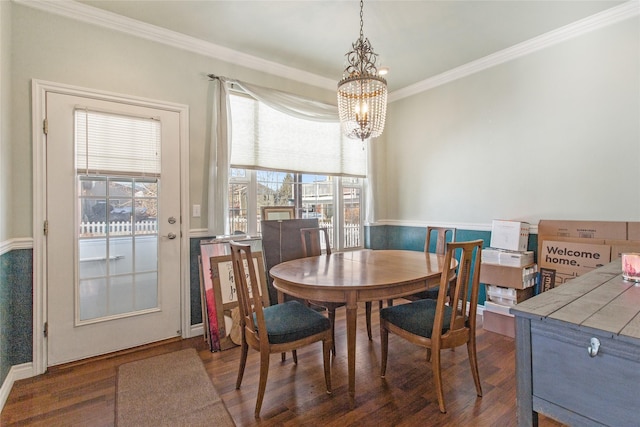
(171, 236)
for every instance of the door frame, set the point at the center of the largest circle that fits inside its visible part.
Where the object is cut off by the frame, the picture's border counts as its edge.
(39, 88)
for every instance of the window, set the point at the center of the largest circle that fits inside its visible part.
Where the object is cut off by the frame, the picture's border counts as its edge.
(118, 179)
(280, 160)
(333, 200)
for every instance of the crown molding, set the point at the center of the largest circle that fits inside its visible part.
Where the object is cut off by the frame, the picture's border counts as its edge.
(81, 12)
(91, 15)
(599, 20)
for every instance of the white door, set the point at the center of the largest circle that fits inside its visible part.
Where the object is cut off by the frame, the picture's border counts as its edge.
(113, 217)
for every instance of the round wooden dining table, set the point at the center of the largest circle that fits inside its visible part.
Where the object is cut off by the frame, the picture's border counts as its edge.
(358, 276)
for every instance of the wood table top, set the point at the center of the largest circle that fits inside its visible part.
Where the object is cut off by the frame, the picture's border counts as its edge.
(600, 300)
(362, 270)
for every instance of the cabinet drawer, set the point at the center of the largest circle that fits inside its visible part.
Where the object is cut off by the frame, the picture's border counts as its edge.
(604, 388)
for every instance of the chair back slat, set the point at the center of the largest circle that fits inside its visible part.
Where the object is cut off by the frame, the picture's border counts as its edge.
(248, 287)
(441, 240)
(464, 292)
(312, 241)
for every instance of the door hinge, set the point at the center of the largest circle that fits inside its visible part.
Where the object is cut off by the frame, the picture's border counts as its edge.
(46, 227)
(46, 329)
(45, 126)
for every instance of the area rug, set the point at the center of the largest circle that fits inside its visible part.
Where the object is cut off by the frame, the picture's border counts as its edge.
(168, 390)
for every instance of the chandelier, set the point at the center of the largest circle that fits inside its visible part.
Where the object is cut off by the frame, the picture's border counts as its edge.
(362, 92)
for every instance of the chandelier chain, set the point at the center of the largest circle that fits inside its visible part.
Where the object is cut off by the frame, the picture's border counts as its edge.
(361, 19)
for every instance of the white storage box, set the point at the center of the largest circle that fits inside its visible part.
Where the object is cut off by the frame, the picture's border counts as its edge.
(497, 308)
(508, 296)
(509, 235)
(507, 258)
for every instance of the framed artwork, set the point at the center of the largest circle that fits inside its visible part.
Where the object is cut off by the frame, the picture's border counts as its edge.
(278, 212)
(226, 295)
(203, 302)
(224, 307)
(212, 321)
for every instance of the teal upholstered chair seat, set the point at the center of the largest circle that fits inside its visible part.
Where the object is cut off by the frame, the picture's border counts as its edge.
(273, 328)
(416, 317)
(441, 323)
(292, 321)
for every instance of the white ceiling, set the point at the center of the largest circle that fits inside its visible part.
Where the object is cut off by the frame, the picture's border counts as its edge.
(417, 40)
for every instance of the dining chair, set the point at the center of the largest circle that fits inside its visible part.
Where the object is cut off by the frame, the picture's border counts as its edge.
(311, 239)
(441, 243)
(273, 328)
(436, 324)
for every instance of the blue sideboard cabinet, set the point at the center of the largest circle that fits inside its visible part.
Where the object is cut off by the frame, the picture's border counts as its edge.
(578, 351)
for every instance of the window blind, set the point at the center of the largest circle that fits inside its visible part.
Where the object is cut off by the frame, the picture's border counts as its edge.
(116, 144)
(263, 138)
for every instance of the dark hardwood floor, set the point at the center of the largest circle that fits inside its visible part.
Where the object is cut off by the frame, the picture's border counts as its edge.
(83, 394)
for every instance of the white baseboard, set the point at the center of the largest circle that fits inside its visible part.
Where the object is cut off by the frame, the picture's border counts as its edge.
(196, 330)
(17, 372)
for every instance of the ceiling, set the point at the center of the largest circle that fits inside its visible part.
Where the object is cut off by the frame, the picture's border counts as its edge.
(417, 40)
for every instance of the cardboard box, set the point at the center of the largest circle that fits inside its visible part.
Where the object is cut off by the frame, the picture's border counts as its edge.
(571, 259)
(633, 231)
(507, 258)
(618, 247)
(500, 323)
(510, 277)
(510, 235)
(583, 229)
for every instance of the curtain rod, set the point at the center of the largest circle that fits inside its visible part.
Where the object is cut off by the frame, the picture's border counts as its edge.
(214, 77)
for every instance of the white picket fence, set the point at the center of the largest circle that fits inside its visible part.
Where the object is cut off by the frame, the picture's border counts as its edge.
(88, 229)
(351, 231)
(118, 227)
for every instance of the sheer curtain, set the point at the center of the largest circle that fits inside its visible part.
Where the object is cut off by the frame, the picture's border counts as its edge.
(220, 157)
(220, 154)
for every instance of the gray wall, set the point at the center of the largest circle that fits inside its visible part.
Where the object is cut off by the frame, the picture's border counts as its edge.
(5, 120)
(552, 135)
(5, 188)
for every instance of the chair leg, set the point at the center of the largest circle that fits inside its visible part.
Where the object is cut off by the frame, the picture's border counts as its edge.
(332, 321)
(262, 385)
(367, 306)
(437, 376)
(428, 354)
(473, 361)
(326, 355)
(384, 349)
(243, 362)
(294, 353)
